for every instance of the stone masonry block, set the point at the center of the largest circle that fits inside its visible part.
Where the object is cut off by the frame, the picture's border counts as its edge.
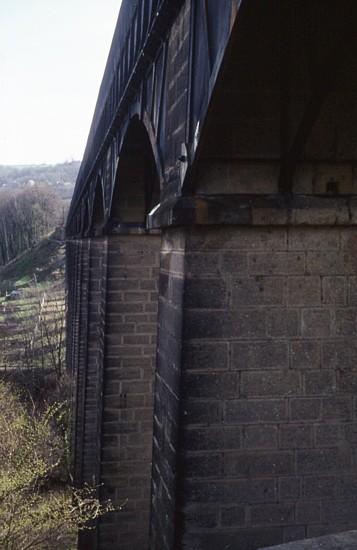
(271, 383)
(175, 290)
(320, 382)
(212, 438)
(244, 323)
(321, 486)
(258, 291)
(118, 275)
(206, 356)
(346, 322)
(308, 512)
(199, 516)
(205, 294)
(283, 322)
(305, 354)
(350, 431)
(339, 510)
(295, 436)
(289, 488)
(198, 265)
(339, 354)
(279, 263)
(202, 412)
(352, 291)
(334, 290)
(255, 411)
(304, 291)
(321, 460)
(242, 239)
(272, 514)
(234, 263)
(232, 491)
(327, 263)
(305, 238)
(203, 466)
(233, 516)
(347, 380)
(260, 437)
(337, 408)
(328, 435)
(260, 355)
(259, 464)
(316, 323)
(220, 386)
(305, 409)
(172, 262)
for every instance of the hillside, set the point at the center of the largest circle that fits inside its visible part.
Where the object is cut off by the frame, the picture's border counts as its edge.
(60, 177)
(33, 201)
(45, 262)
(32, 308)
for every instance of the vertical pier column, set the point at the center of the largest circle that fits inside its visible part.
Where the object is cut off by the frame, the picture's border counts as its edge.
(88, 372)
(129, 357)
(256, 380)
(77, 286)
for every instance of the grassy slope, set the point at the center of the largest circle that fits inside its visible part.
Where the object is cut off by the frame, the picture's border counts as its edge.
(19, 318)
(41, 261)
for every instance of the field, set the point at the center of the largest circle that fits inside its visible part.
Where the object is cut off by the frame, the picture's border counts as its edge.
(32, 309)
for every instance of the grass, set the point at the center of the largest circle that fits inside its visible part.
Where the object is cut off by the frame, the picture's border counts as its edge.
(24, 281)
(32, 334)
(37, 272)
(40, 263)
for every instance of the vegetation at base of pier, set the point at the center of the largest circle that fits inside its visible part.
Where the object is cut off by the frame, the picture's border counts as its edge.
(38, 506)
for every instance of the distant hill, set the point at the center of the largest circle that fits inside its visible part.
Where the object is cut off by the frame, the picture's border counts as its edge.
(60, 177)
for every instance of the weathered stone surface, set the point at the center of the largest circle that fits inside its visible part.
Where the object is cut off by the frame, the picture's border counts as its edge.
(276, 365)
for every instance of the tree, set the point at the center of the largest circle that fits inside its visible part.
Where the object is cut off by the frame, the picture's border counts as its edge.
(26, 216)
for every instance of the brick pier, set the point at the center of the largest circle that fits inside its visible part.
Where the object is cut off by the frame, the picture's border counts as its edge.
(259, 422)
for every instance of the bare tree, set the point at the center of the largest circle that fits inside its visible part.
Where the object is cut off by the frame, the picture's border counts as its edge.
(26, 216)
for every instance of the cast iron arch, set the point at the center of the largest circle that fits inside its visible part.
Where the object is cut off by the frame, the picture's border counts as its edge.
(98, 207)
(136, 187)
(84, 218)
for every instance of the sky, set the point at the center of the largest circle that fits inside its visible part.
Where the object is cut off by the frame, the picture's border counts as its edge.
(52, 59)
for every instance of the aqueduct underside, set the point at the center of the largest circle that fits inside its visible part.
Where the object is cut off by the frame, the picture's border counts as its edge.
(212, 276)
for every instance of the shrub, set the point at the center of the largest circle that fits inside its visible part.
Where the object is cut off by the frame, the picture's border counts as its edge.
(37, 508)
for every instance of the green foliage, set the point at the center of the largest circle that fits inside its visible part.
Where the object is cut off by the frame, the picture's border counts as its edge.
(36, 509)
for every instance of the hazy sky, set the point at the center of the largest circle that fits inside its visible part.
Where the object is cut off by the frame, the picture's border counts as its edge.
(52, 59)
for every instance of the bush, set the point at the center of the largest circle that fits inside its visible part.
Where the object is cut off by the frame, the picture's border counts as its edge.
(37, 508)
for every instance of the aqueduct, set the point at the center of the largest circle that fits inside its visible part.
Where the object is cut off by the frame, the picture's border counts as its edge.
(212, 276)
